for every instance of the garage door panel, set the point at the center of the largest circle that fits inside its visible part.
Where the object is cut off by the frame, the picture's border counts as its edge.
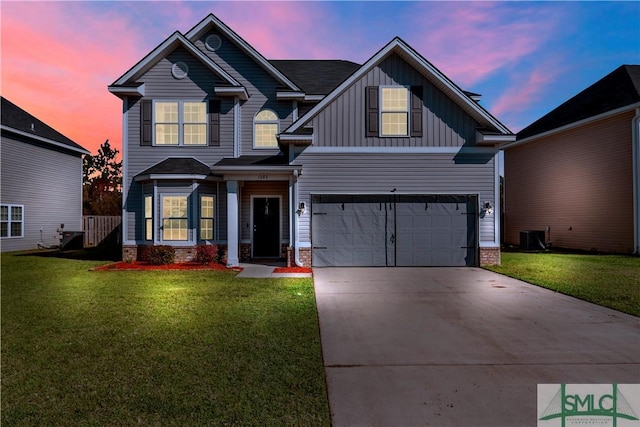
(430, 230)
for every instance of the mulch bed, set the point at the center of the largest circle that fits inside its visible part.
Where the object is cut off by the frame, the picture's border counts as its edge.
(292, 270)
(136, 265)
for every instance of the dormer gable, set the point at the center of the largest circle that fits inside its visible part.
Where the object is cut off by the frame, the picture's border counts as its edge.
(126, 84)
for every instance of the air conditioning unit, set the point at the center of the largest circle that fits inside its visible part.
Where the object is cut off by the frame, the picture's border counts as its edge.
(532, 239)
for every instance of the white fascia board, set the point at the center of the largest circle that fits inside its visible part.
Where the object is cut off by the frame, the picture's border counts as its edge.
(290, 96)
(255, 169)
(45, 140)
(163, 49)
(493, 139)
(121, 91)
(240, 92)
(399, 150)
(398, 45)
(166, 177)
(314, 98)
(579, 123)
(228, 32)
(295, 138)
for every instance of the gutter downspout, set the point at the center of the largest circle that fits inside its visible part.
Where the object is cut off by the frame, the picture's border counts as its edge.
(296, 249)
(635, 140)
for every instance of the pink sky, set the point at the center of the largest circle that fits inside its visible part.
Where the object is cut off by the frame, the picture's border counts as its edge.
(58, 58)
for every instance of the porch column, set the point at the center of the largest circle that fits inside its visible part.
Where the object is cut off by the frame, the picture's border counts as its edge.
(232, 224)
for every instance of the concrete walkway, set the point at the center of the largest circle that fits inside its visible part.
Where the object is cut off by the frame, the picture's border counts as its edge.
(265, 271)
(459, 346)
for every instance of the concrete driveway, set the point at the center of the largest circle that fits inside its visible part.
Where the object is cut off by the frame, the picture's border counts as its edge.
(459, 346)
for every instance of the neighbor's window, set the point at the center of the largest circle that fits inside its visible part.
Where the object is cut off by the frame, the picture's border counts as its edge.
(265, 128)
(206, 217)
(394, 111)
(180, 123)
(11, 221)
(174, 218)
(148, 217)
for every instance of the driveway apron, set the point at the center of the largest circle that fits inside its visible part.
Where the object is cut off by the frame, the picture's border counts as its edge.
(459, 346)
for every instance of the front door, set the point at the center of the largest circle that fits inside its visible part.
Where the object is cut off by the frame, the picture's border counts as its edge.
(266, 227)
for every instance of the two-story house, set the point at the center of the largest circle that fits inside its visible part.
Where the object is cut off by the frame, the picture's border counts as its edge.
(325, 163)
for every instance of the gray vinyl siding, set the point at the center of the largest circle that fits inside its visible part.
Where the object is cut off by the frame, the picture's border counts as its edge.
(266, 188)
(444, 124)
(48, 183)
(260, 86)
(381, 173)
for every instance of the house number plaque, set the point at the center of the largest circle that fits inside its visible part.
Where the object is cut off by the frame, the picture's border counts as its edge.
(263, 176)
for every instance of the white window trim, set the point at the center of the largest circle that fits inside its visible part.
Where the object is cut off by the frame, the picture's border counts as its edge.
(407, 111)
(161, 239)
(265, 122)
(9, 221)
(200, 217)
(181, 123)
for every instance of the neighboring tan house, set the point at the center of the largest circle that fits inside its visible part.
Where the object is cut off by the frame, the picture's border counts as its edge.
(574, 172)
(324, 163)
(41, 181)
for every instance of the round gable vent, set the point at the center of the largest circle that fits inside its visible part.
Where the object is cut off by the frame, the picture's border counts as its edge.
(213, 42)
(180, 70)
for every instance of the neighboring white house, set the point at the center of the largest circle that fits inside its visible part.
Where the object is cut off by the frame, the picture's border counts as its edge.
(41, 181)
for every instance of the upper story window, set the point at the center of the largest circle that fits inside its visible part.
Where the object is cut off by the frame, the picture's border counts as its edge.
(393, 111)
(11, 221)
(180, 123)
(265, 128)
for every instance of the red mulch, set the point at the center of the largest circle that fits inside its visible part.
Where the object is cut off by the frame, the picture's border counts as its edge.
(123, 266)
(292, 270)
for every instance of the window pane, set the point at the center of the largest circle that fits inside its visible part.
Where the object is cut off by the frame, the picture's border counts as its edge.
(195, 134)
(4, 229)
(148, 229)
(206, 206)
(265, 135)
(395, 99)
(174, 229)
(4, 213)
(394, 124)
(16, 213)
(166, 112)
(16, 229)
(148, 206)
(266, 115)
(167, 134)
(195, 112)
(174, 206)
(206, 229)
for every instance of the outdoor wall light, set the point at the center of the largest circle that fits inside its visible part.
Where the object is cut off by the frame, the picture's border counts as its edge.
(487, 208)
(301, 208)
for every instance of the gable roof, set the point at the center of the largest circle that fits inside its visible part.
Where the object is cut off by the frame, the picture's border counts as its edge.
(618, 89)
(16, 120)
(163, 49)
(212, 21)
(316, 77)
(397, 45)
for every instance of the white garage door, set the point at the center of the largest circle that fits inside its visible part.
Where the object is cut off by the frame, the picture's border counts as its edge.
(387, 230)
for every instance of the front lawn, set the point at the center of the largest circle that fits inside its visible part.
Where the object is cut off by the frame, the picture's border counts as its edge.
(185, 348)
(608, 280)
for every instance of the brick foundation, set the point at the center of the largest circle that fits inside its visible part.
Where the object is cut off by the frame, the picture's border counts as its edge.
(183, 254)
(489, 256)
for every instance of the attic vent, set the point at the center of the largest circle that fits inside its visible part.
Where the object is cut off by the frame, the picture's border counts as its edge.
(180, 70)
(33, 127)
(213, 42)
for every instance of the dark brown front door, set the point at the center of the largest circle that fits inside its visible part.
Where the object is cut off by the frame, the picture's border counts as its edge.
(266, 227)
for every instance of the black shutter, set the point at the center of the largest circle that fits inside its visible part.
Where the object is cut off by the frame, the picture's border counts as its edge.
(214, 122)
(146, 122)
(416, 111)
(371, 119)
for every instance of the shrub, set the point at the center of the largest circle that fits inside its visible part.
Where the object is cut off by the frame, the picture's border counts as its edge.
(206, 254)
(159, 255)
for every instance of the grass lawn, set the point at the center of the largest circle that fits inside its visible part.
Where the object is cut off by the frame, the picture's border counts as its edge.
(608, 280)
(184, 348)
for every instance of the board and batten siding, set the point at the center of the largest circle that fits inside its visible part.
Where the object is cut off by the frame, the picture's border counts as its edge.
(342, 123)
(399, 173)
(48, 183)
(260, 85)
(578, 182)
